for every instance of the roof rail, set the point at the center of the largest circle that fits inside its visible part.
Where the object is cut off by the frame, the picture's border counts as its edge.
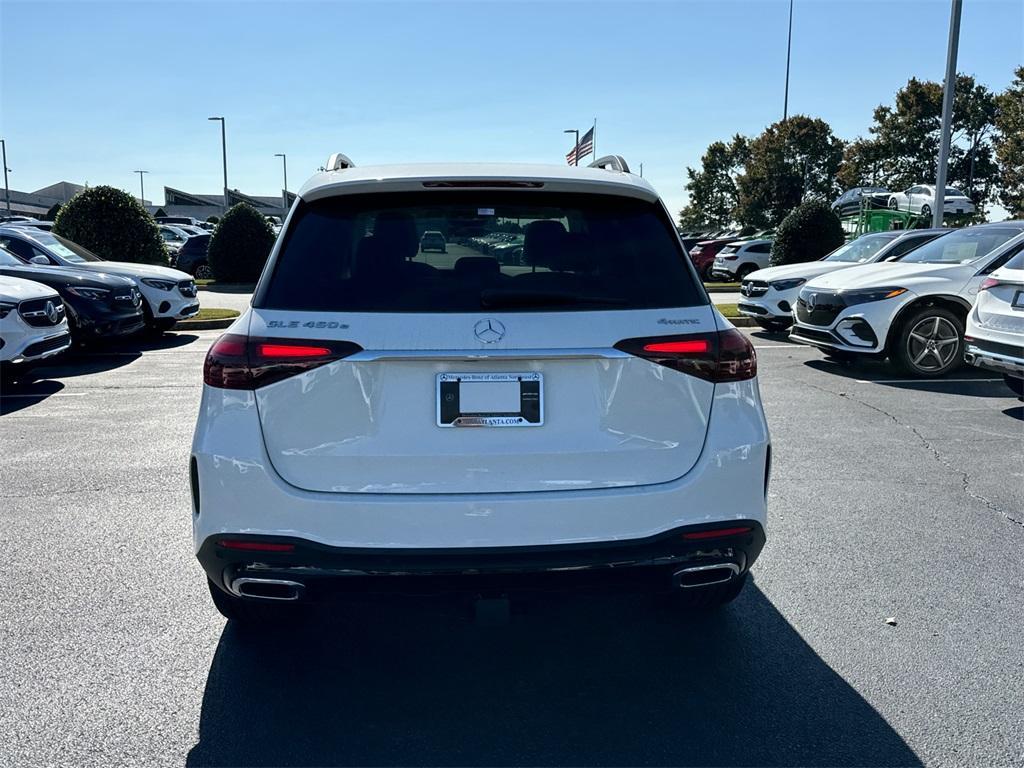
(338, 162)
(611, 163)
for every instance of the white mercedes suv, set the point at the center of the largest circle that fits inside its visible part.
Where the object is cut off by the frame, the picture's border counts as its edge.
(913, 310)
(33, 324)
(995, 326)
(383, 419)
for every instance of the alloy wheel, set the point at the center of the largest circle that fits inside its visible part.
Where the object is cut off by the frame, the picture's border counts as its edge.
(932, 344)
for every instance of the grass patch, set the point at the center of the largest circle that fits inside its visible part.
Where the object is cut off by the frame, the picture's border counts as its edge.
(729, 310)
(207, 281)
(215, 313)
(714, 286)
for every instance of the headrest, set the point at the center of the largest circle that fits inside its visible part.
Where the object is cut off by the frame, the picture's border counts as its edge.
(477, 266)
(394, 235)
(543, 241)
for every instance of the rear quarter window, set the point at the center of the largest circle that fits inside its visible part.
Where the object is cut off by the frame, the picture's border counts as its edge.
(363, 253)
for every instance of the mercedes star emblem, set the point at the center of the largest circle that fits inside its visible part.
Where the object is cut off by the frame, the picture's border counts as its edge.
(489, 330)
(51, 313)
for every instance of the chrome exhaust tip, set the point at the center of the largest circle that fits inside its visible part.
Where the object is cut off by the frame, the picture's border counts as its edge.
(267, 589)
(705, 575)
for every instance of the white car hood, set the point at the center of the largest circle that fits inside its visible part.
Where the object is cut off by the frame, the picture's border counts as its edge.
(19, 289)
(886, 273)
(806, 270)
(139, 270)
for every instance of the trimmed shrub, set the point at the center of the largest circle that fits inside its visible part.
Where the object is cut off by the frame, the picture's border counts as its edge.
(240, 245)
(213, 220)
(809, 232)
(113, 225)
(51, 214)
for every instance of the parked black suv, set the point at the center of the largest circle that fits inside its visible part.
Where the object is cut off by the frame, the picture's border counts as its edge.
(191, 257)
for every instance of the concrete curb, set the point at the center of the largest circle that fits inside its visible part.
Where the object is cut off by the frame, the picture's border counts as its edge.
(742, 322)
(203, 325)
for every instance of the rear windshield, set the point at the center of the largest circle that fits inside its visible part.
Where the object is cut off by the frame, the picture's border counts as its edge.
(508, 251)
(729, 249)
(963, 246)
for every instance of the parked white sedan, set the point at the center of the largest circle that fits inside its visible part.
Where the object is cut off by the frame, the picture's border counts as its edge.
(737, 260)
(921, 199)
(995, 326)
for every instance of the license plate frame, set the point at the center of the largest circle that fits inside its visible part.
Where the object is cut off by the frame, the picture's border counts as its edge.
(530, 411)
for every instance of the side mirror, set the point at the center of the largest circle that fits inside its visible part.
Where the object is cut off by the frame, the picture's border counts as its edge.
(39, 259)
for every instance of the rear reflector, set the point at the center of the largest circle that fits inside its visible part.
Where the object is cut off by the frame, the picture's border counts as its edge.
(717, 533)
(256, 546)
(239, 362)
(720, 357)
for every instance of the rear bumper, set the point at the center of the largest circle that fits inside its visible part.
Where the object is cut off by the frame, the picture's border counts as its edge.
(993, 356)
(649, 564)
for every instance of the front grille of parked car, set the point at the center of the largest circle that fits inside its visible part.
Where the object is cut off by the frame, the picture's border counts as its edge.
(187, 288)
(819, 307)
(812, 335)
(754, 288)
(48, 345)
(133, 297)
(42, 313)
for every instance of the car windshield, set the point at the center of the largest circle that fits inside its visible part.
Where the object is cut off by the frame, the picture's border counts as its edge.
(729, 249)
(65, 249)
(963, 246)
(580, 251)
(861, 250)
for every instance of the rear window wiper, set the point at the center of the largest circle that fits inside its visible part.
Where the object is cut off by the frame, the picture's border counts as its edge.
(499, 298)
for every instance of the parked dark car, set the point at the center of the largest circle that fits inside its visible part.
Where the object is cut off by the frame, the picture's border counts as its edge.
(191, 257)
(703, 253)
(849, 202)
(98, 305)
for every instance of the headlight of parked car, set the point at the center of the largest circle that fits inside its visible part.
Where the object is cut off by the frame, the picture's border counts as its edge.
(163, 285)
(872, 294)
(5, 308)
(785, 285)
(96, 294)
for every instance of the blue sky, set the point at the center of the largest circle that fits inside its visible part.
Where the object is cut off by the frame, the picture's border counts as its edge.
(91, 91)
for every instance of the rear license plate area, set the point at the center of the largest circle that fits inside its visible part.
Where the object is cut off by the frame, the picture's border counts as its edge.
(1018, 300)
(490, 399)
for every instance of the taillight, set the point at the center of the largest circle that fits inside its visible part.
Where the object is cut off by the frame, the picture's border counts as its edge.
(240, 362)
(988, 282)
(717, 533)
(256, 546)
(719, 357)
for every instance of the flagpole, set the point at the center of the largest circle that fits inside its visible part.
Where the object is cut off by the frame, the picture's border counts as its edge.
(594, 143)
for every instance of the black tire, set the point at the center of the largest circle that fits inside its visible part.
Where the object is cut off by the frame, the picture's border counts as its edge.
(745, 270)
(773, 326)
(202, 271)
(926, 211)
(705, 274)
(1015, 384)
(911, 351)
(253, 612)
(709, 598)
(894, 204)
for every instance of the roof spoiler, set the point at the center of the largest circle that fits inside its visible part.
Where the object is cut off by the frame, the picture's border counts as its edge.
(338, 162)
(611, 163)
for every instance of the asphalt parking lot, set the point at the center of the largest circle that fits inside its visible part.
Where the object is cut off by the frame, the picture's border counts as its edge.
(889, 499)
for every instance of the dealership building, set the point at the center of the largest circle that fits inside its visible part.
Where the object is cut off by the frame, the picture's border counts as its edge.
(176, 202)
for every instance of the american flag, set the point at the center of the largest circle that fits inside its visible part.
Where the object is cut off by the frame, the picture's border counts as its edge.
(584, 148)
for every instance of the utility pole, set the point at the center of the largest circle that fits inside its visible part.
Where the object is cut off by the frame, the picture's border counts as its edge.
(284, 194)
(224, 152)
(948, 91)
(142, 188)
(7, 189)
(789, 47)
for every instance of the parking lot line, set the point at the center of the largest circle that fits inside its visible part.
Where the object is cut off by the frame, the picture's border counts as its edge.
(925, 381)
(780, 346)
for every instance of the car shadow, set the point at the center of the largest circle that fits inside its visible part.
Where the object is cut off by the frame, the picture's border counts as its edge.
(966, 380)
(569, 681)
(1015, 412)
(26, 391)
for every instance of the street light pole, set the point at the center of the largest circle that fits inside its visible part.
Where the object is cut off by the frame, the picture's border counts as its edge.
(284, 194)
(789, 47)
(947, 112)
(7, 189)
(576, 154)
(142, 187)
(224, 151)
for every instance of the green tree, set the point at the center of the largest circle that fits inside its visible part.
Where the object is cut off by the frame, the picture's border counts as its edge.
(213, 220)
(1009, 144)
(712, 189)
(240, 245)
(51, 214)
(113, 225)
(807, 234)
(792, 160)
